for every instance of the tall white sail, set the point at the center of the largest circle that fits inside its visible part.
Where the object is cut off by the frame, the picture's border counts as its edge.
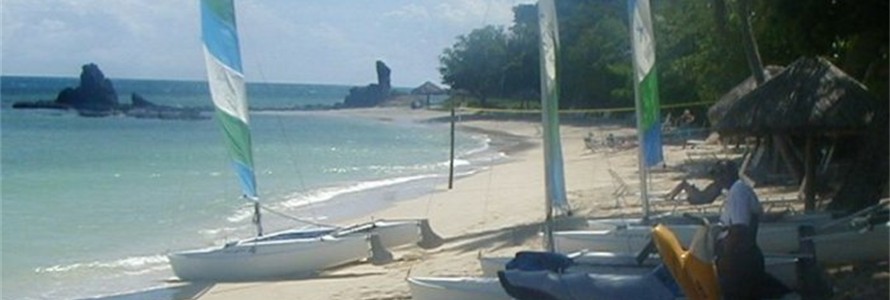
(553, 164)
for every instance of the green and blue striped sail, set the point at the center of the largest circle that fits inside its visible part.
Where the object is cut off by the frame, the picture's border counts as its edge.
(553, 164)
(226, 80)
(646, 82)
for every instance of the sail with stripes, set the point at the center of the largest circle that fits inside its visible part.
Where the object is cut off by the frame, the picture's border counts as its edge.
(226, 80)
(646, 90)
(646, 82)
(553, 164)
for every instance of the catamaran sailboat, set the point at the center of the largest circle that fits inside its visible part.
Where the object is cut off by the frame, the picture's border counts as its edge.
(281, 254)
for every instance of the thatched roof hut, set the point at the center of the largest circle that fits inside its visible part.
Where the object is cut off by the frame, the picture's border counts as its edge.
(428, 88)
(809, 100)
(719, 109)
(810, 96)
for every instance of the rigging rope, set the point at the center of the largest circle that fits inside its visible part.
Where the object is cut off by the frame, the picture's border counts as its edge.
(299, 220)
(290, 144)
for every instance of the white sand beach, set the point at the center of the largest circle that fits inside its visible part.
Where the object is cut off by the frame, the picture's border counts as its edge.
(496, 211)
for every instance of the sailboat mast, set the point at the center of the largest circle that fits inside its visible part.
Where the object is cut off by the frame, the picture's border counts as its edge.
(646, 94)
(257, 218)
(641, 156)
(225, 79)
(554, 175)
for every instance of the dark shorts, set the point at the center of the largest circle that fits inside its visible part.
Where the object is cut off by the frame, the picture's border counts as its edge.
(741, 273)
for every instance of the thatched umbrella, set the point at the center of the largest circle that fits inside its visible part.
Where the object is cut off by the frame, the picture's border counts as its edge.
(428, 88)
(719, 109)
(811, 97)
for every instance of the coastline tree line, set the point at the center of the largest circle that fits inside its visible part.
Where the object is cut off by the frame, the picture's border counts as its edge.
(700, 49)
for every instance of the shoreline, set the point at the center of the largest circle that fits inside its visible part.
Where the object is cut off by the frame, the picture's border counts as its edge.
(498, 209)
(495, 211)
(378, 199)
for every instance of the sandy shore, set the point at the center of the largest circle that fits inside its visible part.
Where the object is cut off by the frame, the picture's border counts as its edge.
(496, 211)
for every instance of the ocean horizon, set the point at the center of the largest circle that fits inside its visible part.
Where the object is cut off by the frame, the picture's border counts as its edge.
(90, 206)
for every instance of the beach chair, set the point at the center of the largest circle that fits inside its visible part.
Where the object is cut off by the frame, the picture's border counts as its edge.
(783, 203)
(621, 188)
(590, 142)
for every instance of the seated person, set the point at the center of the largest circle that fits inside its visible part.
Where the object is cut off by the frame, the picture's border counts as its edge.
(710, 193)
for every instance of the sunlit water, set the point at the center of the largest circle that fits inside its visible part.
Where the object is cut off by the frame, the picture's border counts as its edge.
(91, 205)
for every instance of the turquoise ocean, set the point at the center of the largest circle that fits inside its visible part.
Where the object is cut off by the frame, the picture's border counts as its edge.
(91, 205)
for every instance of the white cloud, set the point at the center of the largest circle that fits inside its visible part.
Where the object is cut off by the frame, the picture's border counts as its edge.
(292, 41)
(127, 38)
(412, 11)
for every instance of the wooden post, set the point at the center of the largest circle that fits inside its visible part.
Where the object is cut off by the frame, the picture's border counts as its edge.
(451, 162)
(808, 188)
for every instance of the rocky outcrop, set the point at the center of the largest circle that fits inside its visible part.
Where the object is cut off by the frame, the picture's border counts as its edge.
(372, 94)
(145, 109)
(95, 97)
(94, 94)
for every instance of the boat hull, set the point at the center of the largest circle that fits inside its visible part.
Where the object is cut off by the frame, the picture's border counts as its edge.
(450, 288)
(831, 247)
(392, 234)
(868, 244)
(293, 253)
(594, 262)
(246, 260)
(775, 238)
(782, 268)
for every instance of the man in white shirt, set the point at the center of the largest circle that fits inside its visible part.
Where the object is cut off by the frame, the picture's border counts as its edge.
(739, 259)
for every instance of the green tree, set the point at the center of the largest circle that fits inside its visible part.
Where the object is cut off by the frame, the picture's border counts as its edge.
(596, 59)
(522, 78)
(697, 57)
(852, 34)
(477, 63)
(700, 48)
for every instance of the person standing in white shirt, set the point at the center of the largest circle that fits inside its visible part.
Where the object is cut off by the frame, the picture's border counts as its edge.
(739, 259)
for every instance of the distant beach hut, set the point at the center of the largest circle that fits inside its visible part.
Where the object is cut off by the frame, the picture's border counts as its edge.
(428, 89)
(811, 98)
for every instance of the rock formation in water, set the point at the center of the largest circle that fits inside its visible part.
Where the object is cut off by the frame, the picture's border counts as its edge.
(95, 94)
(372, 94)
(95, 97)
(145, 109)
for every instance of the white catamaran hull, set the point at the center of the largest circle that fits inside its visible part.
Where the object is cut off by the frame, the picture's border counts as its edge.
(251, 260)
(290, 253)
(831, 247)
(867, 244)
(392, 233)
(775, 238)
(451, 288)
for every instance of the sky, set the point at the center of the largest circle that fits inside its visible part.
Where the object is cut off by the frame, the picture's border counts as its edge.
(288, 41)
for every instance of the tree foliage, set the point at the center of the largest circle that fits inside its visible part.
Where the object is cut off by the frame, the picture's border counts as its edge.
(699, 48)
(477, 63)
